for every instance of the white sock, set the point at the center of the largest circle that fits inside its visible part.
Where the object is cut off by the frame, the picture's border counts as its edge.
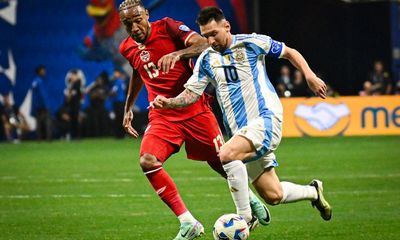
(239, 188)
(186, 217)
(294, 192)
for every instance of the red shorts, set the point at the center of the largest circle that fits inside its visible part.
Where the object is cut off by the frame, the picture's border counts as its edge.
(200, 133)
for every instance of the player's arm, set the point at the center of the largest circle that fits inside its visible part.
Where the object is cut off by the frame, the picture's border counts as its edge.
(135, 85)
(315, 83)
(184, 99)
(196, 44)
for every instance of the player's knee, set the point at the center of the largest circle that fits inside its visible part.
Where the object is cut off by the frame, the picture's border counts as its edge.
(273, 197)
(227, 154)
(149, 162)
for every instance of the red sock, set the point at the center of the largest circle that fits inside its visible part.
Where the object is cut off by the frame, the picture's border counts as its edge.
(166, 190)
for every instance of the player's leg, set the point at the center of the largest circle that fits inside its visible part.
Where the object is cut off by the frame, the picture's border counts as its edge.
(247, 144)
(203, 142)
(165, 187)
(263, 176)
(275, 192)
(160, 141)
(232, 153)
(202, 151)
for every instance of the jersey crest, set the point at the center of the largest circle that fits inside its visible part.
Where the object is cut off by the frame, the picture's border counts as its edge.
(239, 56)
(145, 56)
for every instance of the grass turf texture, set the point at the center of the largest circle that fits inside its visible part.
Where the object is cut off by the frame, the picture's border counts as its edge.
(94, 189)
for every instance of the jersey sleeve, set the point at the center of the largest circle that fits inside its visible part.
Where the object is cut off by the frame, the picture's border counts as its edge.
(265, 45)
(178, 30)
(198, 82)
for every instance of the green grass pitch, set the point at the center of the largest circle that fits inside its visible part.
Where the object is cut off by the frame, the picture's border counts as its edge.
(94, 189)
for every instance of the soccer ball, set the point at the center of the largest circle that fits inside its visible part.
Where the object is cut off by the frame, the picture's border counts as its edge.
(230, 227)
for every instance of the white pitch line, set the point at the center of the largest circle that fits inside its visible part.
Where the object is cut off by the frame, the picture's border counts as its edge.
(66, 180)
(348, 176)
(115, 195)
(78, 179)
(75, 196)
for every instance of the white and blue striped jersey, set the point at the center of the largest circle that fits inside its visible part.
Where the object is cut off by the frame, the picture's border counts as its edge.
(239, 76)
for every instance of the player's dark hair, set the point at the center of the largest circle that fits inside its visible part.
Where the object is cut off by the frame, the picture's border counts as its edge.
(208, 14)
(130, 3)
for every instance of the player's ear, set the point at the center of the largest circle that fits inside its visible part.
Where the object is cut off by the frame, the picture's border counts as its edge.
(147, 14)
(227, 26)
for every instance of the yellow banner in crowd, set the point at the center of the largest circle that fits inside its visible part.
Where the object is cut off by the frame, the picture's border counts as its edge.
(348, 116)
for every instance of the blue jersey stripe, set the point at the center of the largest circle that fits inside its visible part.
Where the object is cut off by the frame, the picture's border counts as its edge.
(224, 117)
(252, 56)
(236, 96)
(205, 68)
(267, 140)
(262, 107)
(256, 49)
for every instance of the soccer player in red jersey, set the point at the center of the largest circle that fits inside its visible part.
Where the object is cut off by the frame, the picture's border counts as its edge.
(159, 53)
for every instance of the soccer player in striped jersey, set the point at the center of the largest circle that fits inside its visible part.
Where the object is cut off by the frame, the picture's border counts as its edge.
(252, 111)
(159, 53)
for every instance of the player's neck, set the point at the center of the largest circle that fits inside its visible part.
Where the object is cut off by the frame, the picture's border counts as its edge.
(230, 40)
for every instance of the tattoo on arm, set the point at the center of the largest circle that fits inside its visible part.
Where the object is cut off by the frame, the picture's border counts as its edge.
(186, 98)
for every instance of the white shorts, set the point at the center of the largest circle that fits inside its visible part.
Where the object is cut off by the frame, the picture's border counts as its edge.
(265, 134)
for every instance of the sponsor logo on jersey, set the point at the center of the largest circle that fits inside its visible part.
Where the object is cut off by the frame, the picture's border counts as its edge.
(184, 28)
(145, 56)
(329, 118)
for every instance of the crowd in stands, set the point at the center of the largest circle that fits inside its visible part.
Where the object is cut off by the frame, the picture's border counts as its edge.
(294, 85)
(94, 110)
(97, 109)
(379, 82)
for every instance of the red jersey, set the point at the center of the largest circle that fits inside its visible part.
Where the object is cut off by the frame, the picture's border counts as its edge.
(166, 36)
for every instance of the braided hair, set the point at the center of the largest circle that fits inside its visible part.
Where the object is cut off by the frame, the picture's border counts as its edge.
(130, 3)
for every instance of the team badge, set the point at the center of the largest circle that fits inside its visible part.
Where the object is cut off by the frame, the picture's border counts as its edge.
(145, 56)
(239, 56)
(276, 47)
(184, 28)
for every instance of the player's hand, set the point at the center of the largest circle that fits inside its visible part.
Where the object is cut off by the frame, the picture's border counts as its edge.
(167, 62)
(159, 102)
(127, 124)
(317, 86)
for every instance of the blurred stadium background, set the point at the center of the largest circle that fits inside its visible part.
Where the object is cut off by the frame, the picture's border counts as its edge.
(340, 39)
(94, 188)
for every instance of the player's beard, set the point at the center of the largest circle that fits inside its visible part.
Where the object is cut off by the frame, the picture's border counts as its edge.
(220, 47)
(216, 47)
